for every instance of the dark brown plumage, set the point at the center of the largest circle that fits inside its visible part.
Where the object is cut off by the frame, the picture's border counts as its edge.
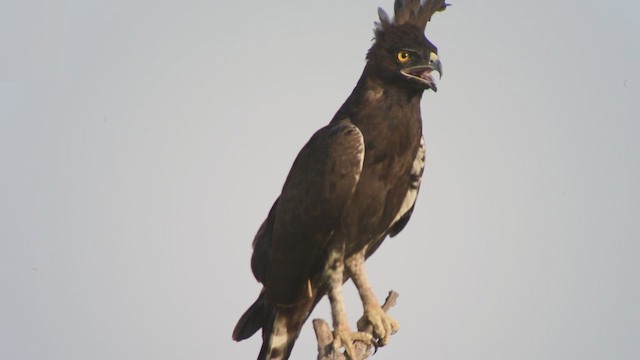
(351, 185)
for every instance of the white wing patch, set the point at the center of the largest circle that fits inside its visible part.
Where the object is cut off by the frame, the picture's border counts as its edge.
(360, 152)
(415, 178)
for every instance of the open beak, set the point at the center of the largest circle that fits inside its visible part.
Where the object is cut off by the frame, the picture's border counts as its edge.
(426, 73)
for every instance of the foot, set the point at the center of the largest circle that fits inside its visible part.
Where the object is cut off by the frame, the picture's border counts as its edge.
(383, 325)
(344, 337)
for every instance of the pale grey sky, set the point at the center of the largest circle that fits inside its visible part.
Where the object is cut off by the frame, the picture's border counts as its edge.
(142, 144)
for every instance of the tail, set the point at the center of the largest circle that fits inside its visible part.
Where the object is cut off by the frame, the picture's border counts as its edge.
(278, 336)
(280, 327)
(252, 319)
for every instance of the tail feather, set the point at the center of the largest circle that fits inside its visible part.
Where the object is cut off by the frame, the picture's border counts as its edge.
(278, 337)
(252, 319)
(280, 326)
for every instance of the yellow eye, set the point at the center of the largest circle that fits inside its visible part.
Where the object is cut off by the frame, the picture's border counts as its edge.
(403, 56)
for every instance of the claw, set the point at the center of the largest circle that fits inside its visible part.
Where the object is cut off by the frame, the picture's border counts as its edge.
(383, 325)
(375, 347)
(345, 338)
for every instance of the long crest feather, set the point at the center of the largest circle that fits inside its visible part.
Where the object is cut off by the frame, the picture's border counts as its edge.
(416, 12)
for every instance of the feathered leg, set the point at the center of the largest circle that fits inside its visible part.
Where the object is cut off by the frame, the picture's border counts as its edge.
(383, 324)
(342, 334)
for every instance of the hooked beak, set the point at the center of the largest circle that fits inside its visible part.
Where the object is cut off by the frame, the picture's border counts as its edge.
(425, 73)
(436, 64)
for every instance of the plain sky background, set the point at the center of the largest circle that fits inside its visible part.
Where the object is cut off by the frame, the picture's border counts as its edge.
(142, 144)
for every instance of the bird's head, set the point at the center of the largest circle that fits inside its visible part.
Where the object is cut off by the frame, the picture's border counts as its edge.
(401, 54)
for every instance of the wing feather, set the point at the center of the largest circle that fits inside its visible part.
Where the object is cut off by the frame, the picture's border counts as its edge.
(318, 188)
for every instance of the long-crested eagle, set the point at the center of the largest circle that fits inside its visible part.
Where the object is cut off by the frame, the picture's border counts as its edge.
(354, 182)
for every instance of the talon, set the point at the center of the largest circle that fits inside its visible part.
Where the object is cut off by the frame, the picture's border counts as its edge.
(383, 325)
(345, 338)
(375, 347)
